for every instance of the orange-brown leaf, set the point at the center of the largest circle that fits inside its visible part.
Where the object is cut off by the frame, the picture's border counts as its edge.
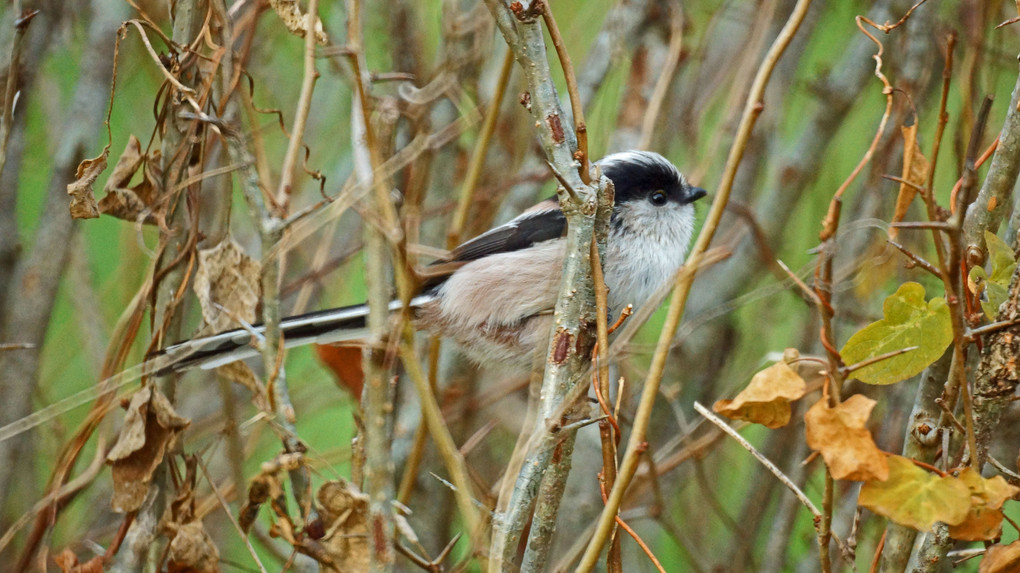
(984, 521)
(915, 171)
(345, 363)
(1001, 559)
(766, 399)
(916, 498)
(841, 436)
(981, 524)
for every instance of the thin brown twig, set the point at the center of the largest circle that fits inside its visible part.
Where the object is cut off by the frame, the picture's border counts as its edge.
(453, 459)
(230, 514)
(166, 73)
(637, 538)
(662, 85)
(954, 284)
(804, 499)
(577, 110)
(847, 370)
(609, 430)
(916, 259)
(304, 106)
(878, 554)
(980, 161)
(804, 288)
(890, 27)
(478, 154)
(752, 109)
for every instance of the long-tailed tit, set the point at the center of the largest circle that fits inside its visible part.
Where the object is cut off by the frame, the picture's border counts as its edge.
(497, 304)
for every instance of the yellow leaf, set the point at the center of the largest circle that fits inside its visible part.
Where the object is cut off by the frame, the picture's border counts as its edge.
(841, 436)
(995, 282)
(993, 491)
(766, 400)
(915, 498)
(908, 321)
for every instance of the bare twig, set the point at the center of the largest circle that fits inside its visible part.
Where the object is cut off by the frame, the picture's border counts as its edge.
(522, 31)
(577, 110)
(448, 450)
(628, 467)
(230, 514)
(304, 107)
(10, 89)
(478, 154)
(804, 499)
(916, 259)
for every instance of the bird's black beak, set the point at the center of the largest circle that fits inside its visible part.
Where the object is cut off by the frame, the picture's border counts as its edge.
(695, 193)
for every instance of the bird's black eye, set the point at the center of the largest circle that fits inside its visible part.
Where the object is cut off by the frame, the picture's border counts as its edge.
(658, 198)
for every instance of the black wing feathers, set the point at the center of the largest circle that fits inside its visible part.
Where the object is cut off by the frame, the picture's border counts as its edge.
(524, 231)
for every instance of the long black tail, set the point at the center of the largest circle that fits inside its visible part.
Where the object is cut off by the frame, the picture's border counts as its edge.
(324, 326)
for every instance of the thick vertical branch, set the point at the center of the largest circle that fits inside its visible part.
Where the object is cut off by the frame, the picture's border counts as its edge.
(171, 268)
(997, 377)
(992, 202)
(522, 30)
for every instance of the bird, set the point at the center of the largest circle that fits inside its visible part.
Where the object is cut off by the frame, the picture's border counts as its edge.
(496, 297)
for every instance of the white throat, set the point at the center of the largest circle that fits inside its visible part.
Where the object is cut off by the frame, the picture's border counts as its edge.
(645, 250)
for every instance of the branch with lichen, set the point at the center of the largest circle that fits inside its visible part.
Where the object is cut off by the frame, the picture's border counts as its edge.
(521, 27)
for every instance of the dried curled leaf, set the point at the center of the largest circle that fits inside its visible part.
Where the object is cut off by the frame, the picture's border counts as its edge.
(142, 202)
(290, 12)
(267, 487)
(841, 435)
(83, 199)
(227, 285)
(766, 399)
(916, 498)
(259, 491)
(67, 561)
(909, 321)
(1001, 559)
(127, 164)
(192, 550)
(150, 428)
(344, 514)
(915, 173)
